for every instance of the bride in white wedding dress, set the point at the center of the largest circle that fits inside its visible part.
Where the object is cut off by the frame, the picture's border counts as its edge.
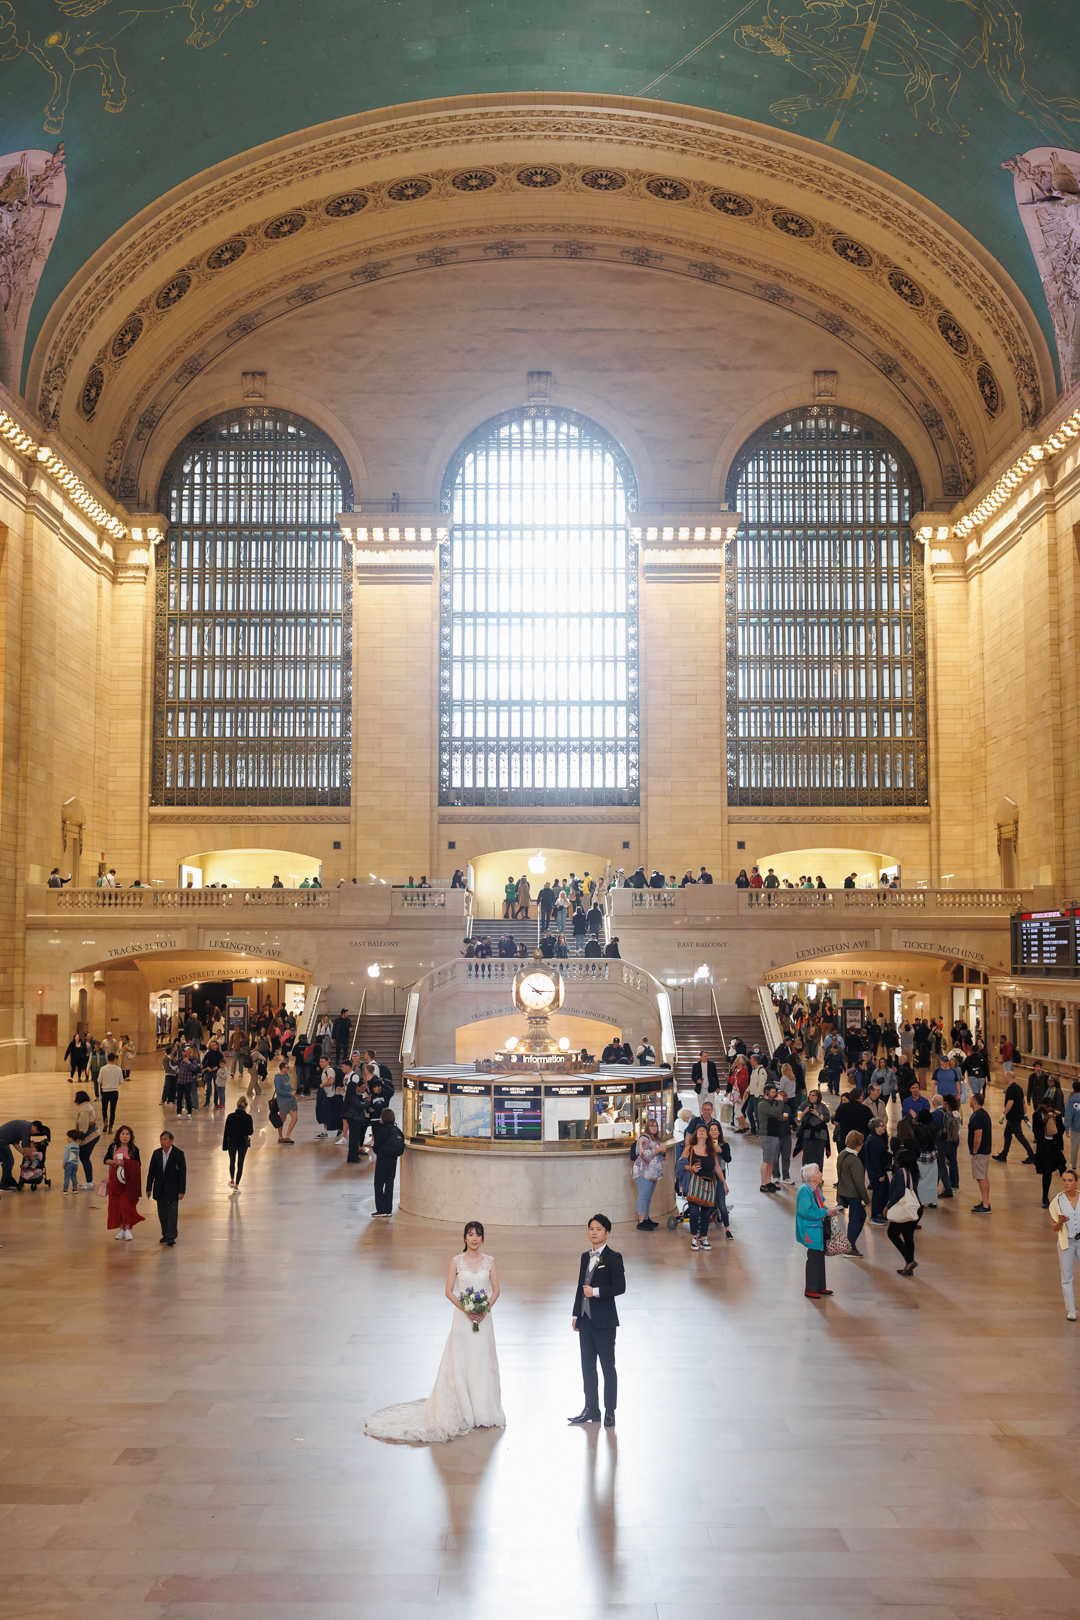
(467, 1393)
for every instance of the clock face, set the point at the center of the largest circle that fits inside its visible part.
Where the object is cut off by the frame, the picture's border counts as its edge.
(537, 990)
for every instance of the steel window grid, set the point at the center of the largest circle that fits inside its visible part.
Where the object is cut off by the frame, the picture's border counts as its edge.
(826, 646)
(539, 667)
(253, 632)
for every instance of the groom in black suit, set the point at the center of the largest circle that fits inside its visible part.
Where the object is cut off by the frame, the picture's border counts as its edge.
(601, 1278)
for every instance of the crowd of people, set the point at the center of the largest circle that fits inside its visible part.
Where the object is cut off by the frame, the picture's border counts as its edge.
(893, 1104)
(895, 1121)
(755, 879)
(352, 1090)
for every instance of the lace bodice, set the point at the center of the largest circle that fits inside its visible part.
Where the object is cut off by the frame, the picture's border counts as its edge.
(473, 1273)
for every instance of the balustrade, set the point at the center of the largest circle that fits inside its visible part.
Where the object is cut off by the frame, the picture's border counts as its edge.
(59, 901)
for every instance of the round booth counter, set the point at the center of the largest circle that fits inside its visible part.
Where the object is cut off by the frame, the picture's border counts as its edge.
(531, 1147)
(515, 1187)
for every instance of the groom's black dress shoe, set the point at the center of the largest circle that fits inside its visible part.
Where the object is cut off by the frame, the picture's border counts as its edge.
(609, 1420)
(585, 1417)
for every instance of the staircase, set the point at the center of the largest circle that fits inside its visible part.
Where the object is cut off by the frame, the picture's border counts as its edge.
(691, 1035)
(745, 1027)
(494, 928)
(382, 1032)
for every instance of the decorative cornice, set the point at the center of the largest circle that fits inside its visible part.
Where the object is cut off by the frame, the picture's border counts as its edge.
(23, 443)
(565, 817)
(273, 815)
(416, 566)
(369, 531)
(874, 816)
(682, 566)
(686, 528)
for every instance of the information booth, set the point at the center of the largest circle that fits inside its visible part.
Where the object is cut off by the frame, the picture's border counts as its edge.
(607, 1107)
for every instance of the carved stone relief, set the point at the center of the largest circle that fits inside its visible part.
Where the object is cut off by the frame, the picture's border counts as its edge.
(1047, 187)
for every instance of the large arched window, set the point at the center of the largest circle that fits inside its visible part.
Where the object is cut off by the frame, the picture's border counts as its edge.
(253, 654)
(826, 667)
(538, 647)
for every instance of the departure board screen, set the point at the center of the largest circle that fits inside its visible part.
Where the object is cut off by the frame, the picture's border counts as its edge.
(1045, 941)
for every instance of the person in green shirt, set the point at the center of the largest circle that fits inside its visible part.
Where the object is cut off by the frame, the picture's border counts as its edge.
(510, 897)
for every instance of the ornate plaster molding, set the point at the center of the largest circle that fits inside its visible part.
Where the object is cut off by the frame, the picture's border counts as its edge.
(922, 386)
(693, 144)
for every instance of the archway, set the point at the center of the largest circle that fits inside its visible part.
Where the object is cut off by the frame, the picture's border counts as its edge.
(833, 865)
(895, 983)
(141, 994)
(248, 868)
(491, 871)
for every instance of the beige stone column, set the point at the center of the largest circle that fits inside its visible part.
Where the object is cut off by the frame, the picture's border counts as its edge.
(395, 654)
(130, 695)
(683, 700)
(12, 888)
(948, 713)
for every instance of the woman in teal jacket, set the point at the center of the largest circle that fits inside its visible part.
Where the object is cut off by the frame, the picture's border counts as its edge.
(810, 1213)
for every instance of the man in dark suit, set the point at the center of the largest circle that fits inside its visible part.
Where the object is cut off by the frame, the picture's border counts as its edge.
(166, 1184)
(703, 1075)
(601, 1277)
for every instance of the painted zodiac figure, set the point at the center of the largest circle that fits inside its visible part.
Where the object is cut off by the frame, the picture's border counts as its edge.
(833, 41)
(64, 50)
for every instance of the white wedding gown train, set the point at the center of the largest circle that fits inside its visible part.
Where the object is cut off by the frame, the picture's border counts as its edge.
(467, 1393)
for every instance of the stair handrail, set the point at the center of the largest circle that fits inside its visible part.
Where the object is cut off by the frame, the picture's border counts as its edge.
(769, 1021)
(356, 1023)
(408, 1029)
(310, 1012)
(719, 1022)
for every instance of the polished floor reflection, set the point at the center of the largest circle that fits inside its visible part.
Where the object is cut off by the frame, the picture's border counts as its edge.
(183, 1428)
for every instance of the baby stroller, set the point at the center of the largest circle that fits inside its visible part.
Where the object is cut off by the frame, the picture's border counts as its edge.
(33, 1173)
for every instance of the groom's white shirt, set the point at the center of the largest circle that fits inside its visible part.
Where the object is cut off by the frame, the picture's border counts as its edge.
(586, 1303)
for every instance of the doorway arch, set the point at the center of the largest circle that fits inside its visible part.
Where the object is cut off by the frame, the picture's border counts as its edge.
(491, 871)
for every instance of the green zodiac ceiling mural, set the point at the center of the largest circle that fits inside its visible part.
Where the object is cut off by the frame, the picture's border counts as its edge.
(144, 95)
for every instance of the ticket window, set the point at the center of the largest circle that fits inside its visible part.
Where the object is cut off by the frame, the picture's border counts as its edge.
(615, 1116)
(657, 1105)
(567, 1119)
(434, 1114)
(410, 1101)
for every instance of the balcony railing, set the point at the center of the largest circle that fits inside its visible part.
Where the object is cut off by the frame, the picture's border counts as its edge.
(472, 971)
(174, 900)
(408, 900)
(718, 900)
(1000, 901)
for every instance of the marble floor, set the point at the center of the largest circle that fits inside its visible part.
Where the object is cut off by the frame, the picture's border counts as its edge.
(183, 1437)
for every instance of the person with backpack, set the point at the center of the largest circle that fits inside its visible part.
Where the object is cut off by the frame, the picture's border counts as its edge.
(946, 1120)
(389, 1146)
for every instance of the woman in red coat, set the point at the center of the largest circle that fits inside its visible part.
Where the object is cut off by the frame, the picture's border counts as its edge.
(125, 1183)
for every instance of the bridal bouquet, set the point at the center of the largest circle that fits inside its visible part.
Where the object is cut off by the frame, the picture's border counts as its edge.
(474, 1302)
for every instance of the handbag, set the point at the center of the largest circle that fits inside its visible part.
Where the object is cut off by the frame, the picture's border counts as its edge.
(906, 1207)
(836, 1238)
(102, 1189)
(701, 1190)
(837, 1242)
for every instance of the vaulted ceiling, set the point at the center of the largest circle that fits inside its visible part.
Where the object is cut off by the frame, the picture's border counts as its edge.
(146, 95)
